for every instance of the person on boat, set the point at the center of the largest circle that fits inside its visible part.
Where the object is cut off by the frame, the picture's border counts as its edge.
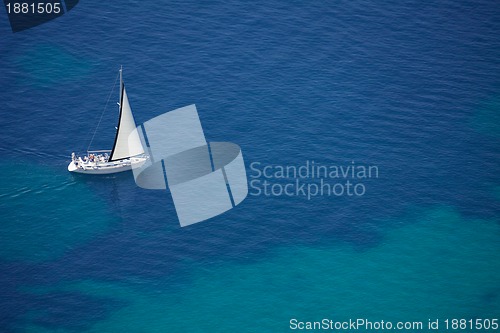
(91, 157)
(73, 158)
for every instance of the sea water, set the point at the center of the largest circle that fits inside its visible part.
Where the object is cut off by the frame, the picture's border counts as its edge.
(409, 87)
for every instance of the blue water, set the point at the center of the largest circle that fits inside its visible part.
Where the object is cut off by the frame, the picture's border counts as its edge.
(411, 87)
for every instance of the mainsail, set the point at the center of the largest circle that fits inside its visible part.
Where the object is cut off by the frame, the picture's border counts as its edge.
(127, 141)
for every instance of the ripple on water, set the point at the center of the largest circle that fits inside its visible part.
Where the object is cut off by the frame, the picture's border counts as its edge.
(44, 214)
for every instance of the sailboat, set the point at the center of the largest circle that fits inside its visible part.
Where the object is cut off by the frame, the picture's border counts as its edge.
(127, 150)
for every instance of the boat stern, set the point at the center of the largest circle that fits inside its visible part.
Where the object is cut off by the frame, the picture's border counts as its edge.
(72, 167)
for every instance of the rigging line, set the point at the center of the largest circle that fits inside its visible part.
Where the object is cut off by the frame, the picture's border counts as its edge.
(102, 114)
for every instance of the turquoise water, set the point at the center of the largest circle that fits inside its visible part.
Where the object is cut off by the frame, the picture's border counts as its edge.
(419, 272)
(35, 226)
(409, 87)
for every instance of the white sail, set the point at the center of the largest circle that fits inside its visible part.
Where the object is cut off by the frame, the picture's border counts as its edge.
(126, 147)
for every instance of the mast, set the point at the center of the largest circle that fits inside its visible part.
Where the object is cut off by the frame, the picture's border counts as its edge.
(120, 103)
(121, 90)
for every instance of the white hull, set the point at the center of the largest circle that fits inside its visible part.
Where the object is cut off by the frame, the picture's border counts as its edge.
(103, 168)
